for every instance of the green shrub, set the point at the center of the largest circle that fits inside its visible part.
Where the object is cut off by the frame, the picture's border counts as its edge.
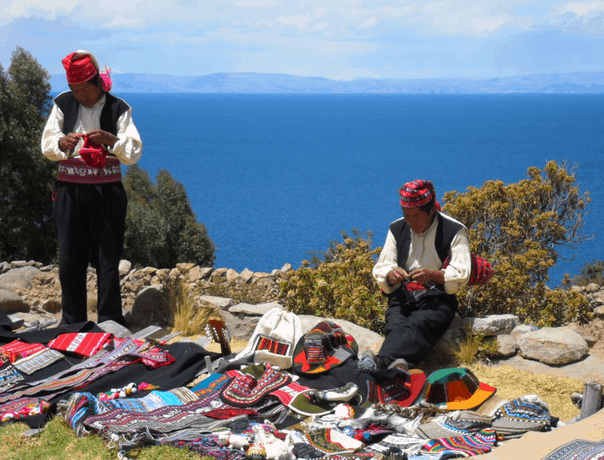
(519, 228)
(340, 287)
(161, 229)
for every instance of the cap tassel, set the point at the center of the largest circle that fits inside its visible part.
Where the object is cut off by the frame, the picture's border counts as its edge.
(106, 79)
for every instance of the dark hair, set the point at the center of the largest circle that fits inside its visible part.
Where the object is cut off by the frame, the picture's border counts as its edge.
(96, 81)
(427, 208)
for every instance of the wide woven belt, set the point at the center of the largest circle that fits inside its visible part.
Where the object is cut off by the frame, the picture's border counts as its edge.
(76, 171)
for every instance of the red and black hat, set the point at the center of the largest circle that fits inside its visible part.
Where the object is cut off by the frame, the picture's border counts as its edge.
(79, 67)
(417, 193)
(326, 346)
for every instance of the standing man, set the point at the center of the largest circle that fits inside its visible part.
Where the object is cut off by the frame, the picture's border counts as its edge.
(410, 272)
(90, 133)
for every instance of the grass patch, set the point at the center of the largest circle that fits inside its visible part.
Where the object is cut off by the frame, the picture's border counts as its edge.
(59, 442)
(188, 316)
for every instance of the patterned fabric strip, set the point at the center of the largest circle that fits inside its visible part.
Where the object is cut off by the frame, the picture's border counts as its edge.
(9, 376)
(16, 350)
(578, 449)
(274, 346)
(39, 360)
(84, 344)
(76, 171)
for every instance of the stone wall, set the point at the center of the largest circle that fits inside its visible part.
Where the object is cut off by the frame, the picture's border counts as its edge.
(32, 289)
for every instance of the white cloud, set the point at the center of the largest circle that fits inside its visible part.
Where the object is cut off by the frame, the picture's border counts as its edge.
(120, 22)
(369, 23)
(300, 21)
(582, 8)
(257, 3)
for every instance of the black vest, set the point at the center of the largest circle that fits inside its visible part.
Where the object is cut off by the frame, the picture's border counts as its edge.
(113, 109)
(446, 231)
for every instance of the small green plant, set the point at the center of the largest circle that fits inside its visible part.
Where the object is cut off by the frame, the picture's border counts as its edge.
(476, 347)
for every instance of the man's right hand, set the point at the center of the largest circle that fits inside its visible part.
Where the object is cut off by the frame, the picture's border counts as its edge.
(396, 275)
(69, 142)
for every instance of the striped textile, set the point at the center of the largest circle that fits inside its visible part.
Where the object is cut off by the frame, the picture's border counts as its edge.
(37, 361)
(469, 446)
(84, 344)
(76, 171)
(16, 350)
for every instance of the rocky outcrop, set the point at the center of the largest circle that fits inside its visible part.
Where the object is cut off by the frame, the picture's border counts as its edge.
(33, 291)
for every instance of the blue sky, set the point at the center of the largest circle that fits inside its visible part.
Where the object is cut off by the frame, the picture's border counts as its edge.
(342, 39)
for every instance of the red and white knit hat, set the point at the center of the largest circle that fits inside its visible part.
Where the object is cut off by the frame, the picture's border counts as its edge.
(81, 66)
(416, 193)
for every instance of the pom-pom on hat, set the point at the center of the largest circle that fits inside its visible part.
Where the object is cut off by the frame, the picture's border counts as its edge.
(323, 348)
(457, 389)
(416, 193)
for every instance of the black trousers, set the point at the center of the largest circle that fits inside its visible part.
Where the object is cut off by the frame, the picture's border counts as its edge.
(90, 224)
(413, 328)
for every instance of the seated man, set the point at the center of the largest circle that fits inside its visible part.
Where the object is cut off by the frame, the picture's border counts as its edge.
(421, 300)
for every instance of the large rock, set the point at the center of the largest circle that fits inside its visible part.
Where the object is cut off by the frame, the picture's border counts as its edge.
(10, 302)
(493, 325)
(552, 345)
(240, 327)
(216, 302)
(18, 278)
(150, 308)
(247, 309)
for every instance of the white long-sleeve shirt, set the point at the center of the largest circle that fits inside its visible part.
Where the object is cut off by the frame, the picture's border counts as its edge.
(128, 148)
(422, 254)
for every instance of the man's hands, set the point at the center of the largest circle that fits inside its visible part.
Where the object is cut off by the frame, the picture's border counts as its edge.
(419, 275)
(98, 136)
(425, 275)
(69, 142)
(396, 275)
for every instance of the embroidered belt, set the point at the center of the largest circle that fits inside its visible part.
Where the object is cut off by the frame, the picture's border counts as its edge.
(76, 171)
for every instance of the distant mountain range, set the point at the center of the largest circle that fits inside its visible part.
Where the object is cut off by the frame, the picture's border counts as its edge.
(250, 82)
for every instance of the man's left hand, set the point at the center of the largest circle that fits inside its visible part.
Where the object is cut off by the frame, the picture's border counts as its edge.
(424, 275)
(102, 137)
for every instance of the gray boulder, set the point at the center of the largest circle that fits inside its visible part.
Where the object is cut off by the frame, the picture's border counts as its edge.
(10, 302)
(553, 345)
(150, 307)
(493, 325)
(18, 278)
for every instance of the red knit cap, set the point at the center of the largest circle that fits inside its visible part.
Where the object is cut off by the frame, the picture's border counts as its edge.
(83, 69)
(416, 193)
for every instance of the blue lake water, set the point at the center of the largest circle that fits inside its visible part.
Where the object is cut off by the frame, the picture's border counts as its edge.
(276, 177)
